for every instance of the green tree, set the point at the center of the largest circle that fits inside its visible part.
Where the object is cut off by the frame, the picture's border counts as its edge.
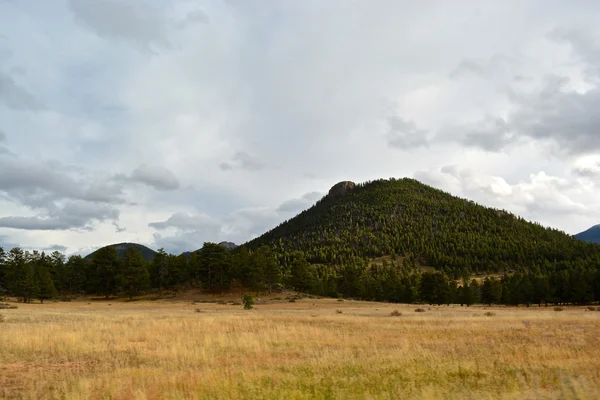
(45, 287)
(301, 276)
(162, 269)
(75, 274)
(491, 291)
(272, 269)
(133, 275)
(215, 266)
(103, 271)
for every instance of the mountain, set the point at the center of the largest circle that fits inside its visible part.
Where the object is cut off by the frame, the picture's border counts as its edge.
(121, 248)
(409, 219)
(592, 235)
(229, 246)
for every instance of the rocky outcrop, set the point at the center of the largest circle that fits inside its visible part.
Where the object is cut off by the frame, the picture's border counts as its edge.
(340, 189)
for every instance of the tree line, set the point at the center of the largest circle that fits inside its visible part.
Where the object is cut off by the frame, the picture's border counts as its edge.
(35, 275)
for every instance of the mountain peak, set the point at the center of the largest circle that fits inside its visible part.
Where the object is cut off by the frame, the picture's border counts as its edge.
(341, 188)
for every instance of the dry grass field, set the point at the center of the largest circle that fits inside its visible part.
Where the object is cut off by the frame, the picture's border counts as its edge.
(310, 349)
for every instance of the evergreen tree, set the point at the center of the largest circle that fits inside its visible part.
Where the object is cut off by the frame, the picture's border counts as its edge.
(103, 271)
(491, 291)
(133, 275)
(75, 274)
(301, 276)
(45, 286)
(161, 268)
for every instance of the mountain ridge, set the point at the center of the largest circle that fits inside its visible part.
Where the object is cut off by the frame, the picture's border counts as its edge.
(407, 217)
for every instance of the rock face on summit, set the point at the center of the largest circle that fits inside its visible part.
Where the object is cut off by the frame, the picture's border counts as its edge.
(340, 189)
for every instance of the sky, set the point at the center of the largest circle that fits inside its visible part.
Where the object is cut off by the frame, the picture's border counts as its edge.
(171, 123)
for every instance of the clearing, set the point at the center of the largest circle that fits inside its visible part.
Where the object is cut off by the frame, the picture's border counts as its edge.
(307, 349)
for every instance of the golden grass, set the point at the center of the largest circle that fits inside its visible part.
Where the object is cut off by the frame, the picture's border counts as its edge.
(302, 350)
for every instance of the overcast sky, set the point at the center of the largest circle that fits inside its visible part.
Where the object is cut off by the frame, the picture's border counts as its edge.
(171, 123)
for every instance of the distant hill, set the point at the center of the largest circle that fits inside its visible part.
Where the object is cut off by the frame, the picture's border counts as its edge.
(410, 219)
(121, 248)
(591, 235)
(229, 246)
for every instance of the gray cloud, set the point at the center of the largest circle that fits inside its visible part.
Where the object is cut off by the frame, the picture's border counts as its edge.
(483, 69)
(405, 134)
(186, 222)
(56, 247)
(2, 136)
(17, 97)
(296, 205)
(70, 215)
(158, 177)
(244, 161)
(145, 23)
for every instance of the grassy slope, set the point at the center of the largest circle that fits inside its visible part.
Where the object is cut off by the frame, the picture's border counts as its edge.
(302, 350)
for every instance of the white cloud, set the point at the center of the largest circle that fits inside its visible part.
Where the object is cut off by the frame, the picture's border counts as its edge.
(234, 112)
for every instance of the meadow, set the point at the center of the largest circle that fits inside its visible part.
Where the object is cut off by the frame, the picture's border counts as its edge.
(307, 349)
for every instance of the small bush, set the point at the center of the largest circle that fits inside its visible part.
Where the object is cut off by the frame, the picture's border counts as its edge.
(248, 301)
(590, 308)
(339, 311)
(419, 310)
(489, 314)
(340, 299)
(1, 318)
(198, 310)
(558, 308)
(396, 313)
(292, 300)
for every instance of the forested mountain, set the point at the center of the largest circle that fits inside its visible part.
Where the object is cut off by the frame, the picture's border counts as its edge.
(330, 248)
(121, 248)
(591, 235)
(406, 217)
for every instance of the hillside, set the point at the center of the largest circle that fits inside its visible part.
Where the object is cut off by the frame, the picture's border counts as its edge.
(591, 235)
(406, 217)
(121, 248)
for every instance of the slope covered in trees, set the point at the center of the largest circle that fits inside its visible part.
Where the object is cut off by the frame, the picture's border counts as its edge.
(121, 248)
(328, 250)
(408, 218)
(591, 235)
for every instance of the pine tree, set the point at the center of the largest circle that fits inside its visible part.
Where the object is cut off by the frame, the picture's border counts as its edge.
(46, 289)
(133, 276)
(103, 271)
(272, 269)
(161, 268)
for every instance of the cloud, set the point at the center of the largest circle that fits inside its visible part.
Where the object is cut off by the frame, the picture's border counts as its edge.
(539, 197)
(17, 97)
(158, 177)
(405, 134)
(244, 161)
(2, 136)
(186, 222)
(296, 205)
(143, 23)
(56, 247)
(69, 215)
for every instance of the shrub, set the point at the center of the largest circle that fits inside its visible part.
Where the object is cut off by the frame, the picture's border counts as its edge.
(339, 311)
(590, 308)
(489, 314)
(396, 313)
(340, 299)
(292, 300)
(248, 301)
(419, 310)
(558, 308)
(1, 318)
(198, 310)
